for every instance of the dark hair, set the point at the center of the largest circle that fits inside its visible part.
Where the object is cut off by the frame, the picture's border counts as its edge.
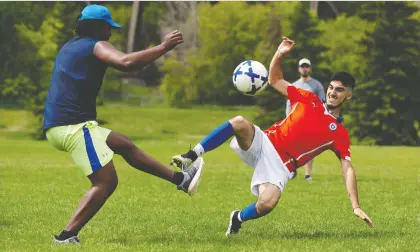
(345, 78)
(89, 27)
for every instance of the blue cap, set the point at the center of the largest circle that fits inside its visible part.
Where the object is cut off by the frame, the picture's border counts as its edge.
(100, 12)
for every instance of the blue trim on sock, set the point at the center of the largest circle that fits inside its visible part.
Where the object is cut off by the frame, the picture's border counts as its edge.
(217, 137)
(249, 212)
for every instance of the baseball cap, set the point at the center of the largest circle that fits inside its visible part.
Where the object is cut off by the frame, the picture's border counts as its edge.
(98, 12)
(304, 61)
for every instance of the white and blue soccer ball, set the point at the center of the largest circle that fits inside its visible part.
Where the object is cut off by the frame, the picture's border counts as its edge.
(250, 77)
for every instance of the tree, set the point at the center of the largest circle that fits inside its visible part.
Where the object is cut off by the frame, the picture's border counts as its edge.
(301, 26)
(342, 37)
(145, 30)
(14, 64)
(386, 111)
(43, 44)
(203, 75)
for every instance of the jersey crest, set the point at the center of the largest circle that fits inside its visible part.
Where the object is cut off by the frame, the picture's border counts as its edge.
(332, 126)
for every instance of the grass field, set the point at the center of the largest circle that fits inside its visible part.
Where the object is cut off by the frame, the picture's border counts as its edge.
(40, 188)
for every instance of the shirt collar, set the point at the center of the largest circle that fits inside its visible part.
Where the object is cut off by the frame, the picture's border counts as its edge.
(339, 118)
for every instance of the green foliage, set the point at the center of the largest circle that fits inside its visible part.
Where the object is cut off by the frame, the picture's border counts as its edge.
(44, 43)
(150, 36)
(226, 39)
(387, 105)
(37, 47)
(342, 37)
(14, 68)
(302, 28)
(348, 8)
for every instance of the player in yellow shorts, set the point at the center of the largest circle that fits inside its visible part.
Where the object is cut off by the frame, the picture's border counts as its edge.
(70, 114)
(86, 142)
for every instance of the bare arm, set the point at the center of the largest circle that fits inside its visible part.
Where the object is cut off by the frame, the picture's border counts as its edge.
(105, 52)
(275, 77)
(350, 180)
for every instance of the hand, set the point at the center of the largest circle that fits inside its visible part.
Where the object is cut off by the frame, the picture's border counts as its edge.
(359, 212)
(285, 46)
(172, 39)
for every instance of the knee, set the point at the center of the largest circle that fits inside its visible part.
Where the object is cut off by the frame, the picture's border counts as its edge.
(240, 124)
(108, 187)
(112, 185)
(266, 206)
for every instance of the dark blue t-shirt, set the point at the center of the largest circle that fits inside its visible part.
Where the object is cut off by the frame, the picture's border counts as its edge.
(75, 84)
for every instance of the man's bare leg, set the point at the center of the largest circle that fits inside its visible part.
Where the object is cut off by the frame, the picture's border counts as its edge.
(268, 197)
(104, 182)
(140, 160)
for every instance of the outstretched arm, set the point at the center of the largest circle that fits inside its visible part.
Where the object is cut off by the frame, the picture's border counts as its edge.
(350, 180)
(105, 52)
(275, 77)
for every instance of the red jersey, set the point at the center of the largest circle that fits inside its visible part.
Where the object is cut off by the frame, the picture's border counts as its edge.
(308, 130)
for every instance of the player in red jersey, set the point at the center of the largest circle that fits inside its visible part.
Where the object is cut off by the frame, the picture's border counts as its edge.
(288, 144)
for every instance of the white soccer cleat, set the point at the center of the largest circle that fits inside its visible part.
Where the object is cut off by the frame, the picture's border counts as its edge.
(192, 177)
(71, 240)
(181, 161)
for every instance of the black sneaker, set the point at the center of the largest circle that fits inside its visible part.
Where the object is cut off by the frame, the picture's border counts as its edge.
(234, 224)
(70, 240)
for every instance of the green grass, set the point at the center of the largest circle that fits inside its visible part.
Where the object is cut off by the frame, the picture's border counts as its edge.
(40, 188)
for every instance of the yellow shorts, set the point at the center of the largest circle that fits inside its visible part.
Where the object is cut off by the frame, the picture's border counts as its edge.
(86, 142)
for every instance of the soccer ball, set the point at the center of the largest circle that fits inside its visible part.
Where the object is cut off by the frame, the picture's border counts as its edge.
(250, 77)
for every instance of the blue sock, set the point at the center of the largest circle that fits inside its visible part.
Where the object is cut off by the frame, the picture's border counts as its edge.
(217, 137)
(249, 213)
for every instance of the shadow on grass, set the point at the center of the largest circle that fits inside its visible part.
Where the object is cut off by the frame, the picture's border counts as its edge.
(16, 135)
(144, 138)
(267, 236)
(325, 234)
(5, 223)
(122, 240)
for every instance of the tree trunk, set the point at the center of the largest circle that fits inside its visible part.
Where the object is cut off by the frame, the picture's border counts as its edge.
(315, 4)
(314, 7)
(132, 27)
(333, 7)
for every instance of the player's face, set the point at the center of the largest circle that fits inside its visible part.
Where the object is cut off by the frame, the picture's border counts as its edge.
(305, 70)
(337, 94)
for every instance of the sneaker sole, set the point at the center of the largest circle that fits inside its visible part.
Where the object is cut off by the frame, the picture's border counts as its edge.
(68, 241)
(195, 182)
(230, 224)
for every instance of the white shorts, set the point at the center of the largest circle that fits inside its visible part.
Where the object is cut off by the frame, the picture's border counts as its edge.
(263, 157)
